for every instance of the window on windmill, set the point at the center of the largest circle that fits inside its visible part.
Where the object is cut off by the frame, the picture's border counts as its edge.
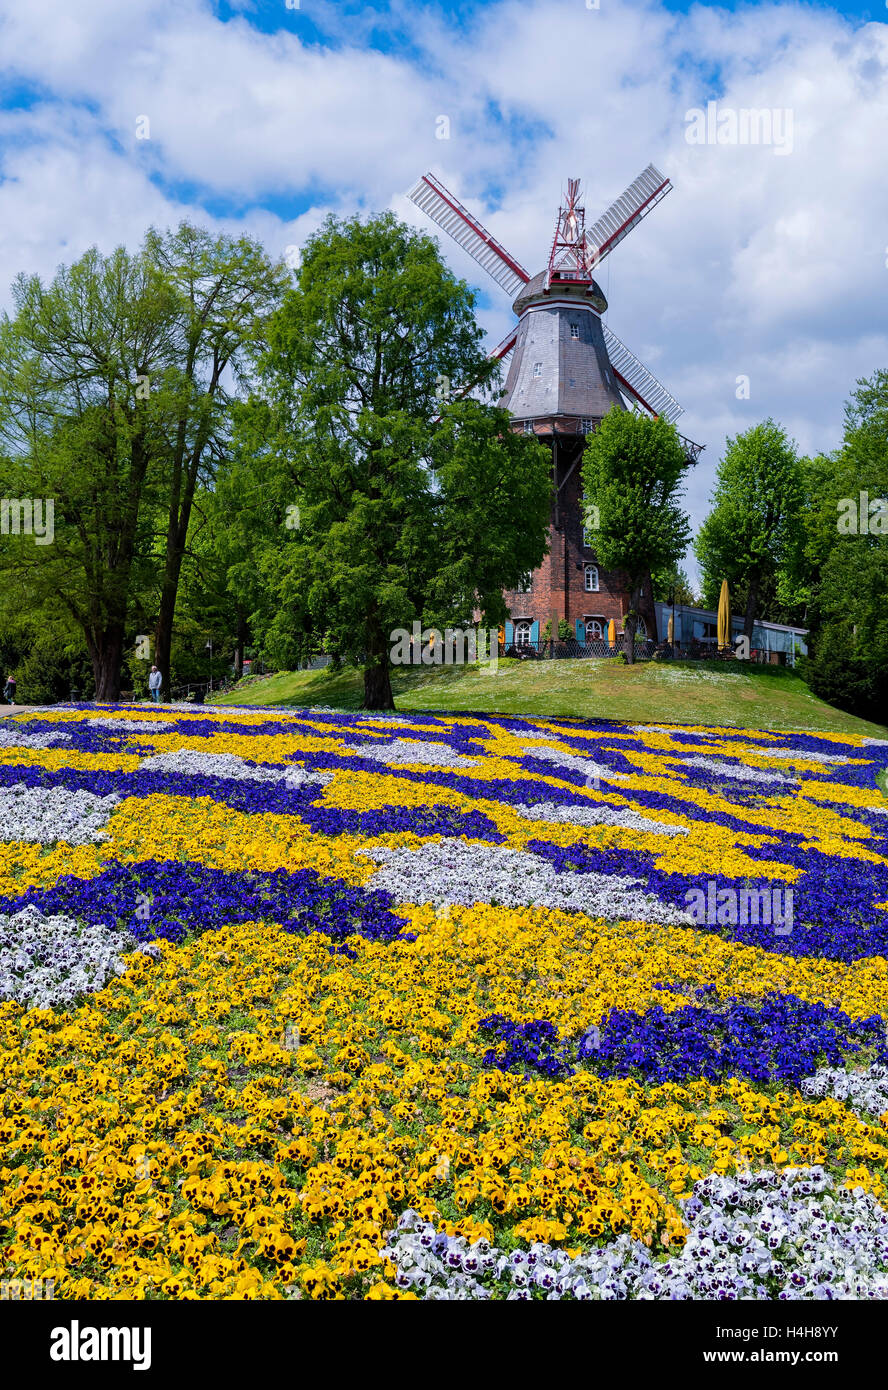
(538, 369)
(528, 427)
(575, 330)
(590, 578)
(586, 425)
(525, 583)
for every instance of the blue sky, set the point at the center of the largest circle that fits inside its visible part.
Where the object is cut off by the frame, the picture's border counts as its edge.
(766, 264)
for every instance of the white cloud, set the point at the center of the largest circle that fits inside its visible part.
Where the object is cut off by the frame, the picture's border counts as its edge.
(758, 263)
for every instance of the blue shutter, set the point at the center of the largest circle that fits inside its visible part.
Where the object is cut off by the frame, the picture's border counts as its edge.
(534, 632)
(581, 630)
(510, 633)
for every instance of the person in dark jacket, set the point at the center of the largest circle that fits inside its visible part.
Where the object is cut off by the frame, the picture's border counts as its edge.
(9, 690)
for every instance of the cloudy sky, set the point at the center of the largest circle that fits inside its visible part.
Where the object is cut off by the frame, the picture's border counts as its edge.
(766, 262)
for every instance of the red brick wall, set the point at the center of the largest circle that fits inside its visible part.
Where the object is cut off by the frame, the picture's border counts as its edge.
(558, 586)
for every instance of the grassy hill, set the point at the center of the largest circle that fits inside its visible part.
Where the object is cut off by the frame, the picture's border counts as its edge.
(652, 692)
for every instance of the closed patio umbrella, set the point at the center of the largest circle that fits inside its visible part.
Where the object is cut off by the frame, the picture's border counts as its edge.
(724, 617)
(612, 633)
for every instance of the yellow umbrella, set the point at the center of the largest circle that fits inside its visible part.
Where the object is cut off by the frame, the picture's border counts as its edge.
(670, 631)
(724, 616)
(612, 633)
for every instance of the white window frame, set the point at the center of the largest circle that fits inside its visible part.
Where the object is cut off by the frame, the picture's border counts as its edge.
(588, 572)
(537, 369)
(522, 630)
(525, 583)
(600, 623)
(575, 330)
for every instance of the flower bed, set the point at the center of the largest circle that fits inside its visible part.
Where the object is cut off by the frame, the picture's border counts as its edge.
(326, 1005)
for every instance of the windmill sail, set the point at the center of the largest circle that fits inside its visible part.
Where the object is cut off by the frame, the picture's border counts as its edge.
(641, 383)
(442, 207)
(643, 194)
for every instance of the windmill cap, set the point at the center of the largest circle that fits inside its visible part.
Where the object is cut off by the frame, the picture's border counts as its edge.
(586, 292)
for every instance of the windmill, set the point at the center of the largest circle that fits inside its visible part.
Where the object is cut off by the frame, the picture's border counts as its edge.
(546, 385)
(566, 370)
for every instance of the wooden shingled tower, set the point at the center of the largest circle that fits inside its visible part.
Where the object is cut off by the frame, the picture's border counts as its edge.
(566, 370)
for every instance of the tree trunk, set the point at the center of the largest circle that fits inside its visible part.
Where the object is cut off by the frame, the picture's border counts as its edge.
(751, 606)
(630, 622)
(106, 653)
(163, 632)
(242, 635)
(377, 682)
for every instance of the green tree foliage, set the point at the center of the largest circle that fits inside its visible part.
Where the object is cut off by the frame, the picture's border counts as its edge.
(669, 579)
(393, 499)
(754, 523)
(844, 562)
(632, 471)
(225, 287)
(77, 428)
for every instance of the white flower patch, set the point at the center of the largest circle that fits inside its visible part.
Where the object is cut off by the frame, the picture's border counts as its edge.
(48, 814)
(135, 726)
(9, 738)
(576, 763)
(456, 872)
(402, 750)
(597, 813)
(789, 1236)
(865, 1090)
(794, 755)
(48, 962)
(875, 742)
(739, 774)
(192, 762)
(667, 729)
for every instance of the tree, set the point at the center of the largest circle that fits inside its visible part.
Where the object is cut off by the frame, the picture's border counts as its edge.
(225, 287)
(632, 470)
(844, 559)
(393, 504)
(671, 579)
(82, 435)
(755, 517)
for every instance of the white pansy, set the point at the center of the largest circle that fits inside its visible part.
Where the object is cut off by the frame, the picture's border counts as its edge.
(597, 813)
(739, 774)
(48, 814)
(865, 1090)
(191, 762)
(460, 873)
(11, 738)
(403, 751)
(135, 726)
(587, 766)
(48, 962)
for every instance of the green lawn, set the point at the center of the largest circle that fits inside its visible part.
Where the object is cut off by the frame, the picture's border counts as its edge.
(650, 692)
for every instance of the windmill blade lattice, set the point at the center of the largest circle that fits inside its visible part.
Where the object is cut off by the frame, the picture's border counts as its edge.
(640, 198)
(447, 211)
(642, 384)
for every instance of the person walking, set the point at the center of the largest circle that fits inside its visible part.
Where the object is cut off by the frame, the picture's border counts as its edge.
(9, 690)
(155, 680)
